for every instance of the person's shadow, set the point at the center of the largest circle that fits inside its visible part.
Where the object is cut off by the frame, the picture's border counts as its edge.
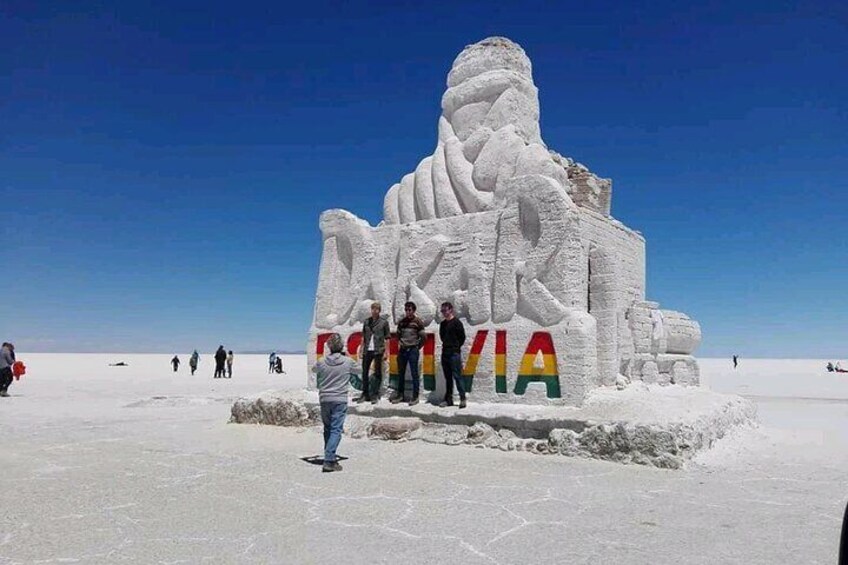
(843, 542)
(319, 459)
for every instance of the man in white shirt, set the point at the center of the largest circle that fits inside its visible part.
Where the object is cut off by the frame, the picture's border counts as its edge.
(375, 333)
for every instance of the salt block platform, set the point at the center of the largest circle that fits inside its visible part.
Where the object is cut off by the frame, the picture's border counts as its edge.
(655, 425)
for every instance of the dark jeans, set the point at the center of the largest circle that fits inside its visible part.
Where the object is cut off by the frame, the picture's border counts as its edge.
(371, 387)
(452, 368)
(5, 378)
(219, 369)
(408, 357)
(333, 416)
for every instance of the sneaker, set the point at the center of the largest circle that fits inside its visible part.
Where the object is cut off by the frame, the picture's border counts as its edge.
(414, 401)
(445, 403)
(396, 399)
(361, 399)
(4, 393)
(375, 400)
(331, 467)
(462, 404)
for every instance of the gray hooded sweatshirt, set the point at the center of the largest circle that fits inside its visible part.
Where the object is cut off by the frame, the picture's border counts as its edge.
(333, 375)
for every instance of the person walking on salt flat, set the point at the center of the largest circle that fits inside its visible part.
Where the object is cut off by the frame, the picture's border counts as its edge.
(193, 361)
(333, 374)
(7, 359)
(272, 361)
(230, 364)
(176, 363)
(452, 335)
(220, 359)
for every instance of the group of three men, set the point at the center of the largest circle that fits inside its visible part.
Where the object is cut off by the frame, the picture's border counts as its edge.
(411, 337)
(334, 370)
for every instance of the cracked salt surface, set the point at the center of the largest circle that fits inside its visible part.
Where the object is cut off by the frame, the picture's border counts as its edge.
(88, 480)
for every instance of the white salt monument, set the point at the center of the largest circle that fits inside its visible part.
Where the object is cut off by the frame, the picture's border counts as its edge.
(520, 239)
(564, 353)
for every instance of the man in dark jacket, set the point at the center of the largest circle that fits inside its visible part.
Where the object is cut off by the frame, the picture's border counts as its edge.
(452, 335)
(411, 338)
(220, 359)
(7, 359)
(375, 333)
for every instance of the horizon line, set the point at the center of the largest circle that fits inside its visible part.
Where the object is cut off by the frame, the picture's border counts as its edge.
(304, 352)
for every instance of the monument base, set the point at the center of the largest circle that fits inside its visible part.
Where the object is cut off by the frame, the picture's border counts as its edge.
(660, 426)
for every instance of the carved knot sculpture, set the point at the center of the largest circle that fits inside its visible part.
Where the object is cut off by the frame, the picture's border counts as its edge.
(519, 239)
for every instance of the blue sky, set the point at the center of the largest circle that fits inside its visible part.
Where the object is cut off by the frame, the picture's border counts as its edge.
(163, 165)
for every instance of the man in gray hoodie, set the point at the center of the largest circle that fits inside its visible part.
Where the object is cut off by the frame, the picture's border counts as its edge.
(375, 333)
(333, 374)
(7, 359)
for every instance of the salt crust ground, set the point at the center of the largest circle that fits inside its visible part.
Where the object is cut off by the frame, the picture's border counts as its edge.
(137, 465)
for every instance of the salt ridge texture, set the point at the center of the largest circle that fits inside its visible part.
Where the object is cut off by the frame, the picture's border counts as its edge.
(96, 475)
(647, 424)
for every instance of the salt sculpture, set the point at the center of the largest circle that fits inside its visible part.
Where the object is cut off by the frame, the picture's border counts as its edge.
(520, 239)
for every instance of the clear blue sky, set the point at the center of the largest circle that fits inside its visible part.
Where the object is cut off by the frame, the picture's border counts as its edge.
(163, 164)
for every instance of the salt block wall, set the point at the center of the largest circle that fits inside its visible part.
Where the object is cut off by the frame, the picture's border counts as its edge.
(557, 370)
(616, 257)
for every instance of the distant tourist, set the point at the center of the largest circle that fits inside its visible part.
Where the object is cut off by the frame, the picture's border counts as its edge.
(333, 374)
(830, 367)
(375, 333)
(272, 362)
(410, 338)
(278, 365)
(220, 359)
(176, 363)
(7, 359)
(452, 335)
(735, 361)
(230, 364)
(193, 361)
